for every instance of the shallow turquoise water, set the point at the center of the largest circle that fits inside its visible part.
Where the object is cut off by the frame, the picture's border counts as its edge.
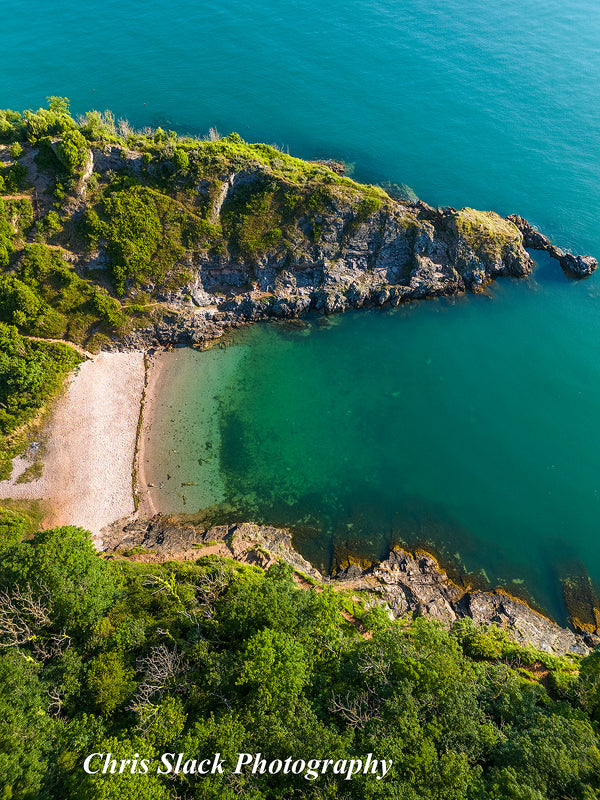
(475, 423)
(464, 425)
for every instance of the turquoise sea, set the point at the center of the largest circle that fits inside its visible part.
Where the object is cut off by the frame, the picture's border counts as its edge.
(470, 424)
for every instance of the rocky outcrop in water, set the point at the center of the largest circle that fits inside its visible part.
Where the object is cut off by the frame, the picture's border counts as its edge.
(581, 266)
(403, 251)
(404, 583)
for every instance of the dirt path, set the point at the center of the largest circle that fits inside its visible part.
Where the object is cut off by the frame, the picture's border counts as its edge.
(80, 350)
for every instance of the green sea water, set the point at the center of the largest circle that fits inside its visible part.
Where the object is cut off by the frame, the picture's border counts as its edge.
(460, 425)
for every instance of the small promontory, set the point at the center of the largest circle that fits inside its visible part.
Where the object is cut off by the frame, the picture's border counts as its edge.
(114, 238)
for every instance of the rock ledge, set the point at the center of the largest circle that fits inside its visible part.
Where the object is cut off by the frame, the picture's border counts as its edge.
(404, 583)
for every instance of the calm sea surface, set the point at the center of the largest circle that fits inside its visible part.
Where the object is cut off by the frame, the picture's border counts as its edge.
(471, 425)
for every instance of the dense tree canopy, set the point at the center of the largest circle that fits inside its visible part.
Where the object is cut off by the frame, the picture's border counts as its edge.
(137, 660)
(30, 374)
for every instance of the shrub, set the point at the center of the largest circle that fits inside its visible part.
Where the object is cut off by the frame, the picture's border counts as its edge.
(72, 151)
(52, 121)
(144, 231)
(181, 159)
(16, 150)
(12, 126)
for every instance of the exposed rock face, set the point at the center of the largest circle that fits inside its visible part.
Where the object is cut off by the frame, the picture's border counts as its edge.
(115, 157)
(404, 583)
(247, 543)
(582, 266)
(404, 251)
(523, 624)
(415, 583)
(358, 247)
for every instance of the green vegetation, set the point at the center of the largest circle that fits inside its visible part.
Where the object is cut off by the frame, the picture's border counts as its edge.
(163, 203)
(52, 121)
(32, 473)
(43, 295)
(12, 178)
(121, 657)
(485, 232)
(72, 151)
(31, 373)
(251, 218)
(16, 524)
(16, 218)
(146, 234)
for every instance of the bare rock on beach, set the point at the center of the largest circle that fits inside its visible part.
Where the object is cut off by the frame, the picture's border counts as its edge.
(523, 624)
(404, 583)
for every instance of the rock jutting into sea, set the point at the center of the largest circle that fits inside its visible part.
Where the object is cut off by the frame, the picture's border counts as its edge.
(286, 237)
(581, 266)
(404, 251)
(194, 237)
(403, 584)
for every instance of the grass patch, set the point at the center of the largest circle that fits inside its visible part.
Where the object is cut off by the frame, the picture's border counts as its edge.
(485, 233)
(32, 473)
(19, 519)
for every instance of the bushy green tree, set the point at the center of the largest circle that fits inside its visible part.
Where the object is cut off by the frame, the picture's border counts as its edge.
(26, 730)
(6, 236)
(110, 681)
(181, 159)
(50, 121)
(119, 785)
(12, 127)
(72, 151)
(13, 527)
(80, 583)
(274, 671)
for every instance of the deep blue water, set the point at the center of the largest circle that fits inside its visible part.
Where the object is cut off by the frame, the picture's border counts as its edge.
(495, 106)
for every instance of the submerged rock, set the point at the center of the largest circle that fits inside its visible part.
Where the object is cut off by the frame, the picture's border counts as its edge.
(583, 604)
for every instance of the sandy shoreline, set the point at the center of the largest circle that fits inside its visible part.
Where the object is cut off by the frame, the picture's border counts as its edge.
(89, 446)
(154, 363)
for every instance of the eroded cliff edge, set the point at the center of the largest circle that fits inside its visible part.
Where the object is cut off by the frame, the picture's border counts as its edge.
(403, 584)
(165, 240)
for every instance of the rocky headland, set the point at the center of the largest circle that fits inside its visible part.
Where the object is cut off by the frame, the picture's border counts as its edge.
(403, 251)
(177, 240)
(403, 584)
